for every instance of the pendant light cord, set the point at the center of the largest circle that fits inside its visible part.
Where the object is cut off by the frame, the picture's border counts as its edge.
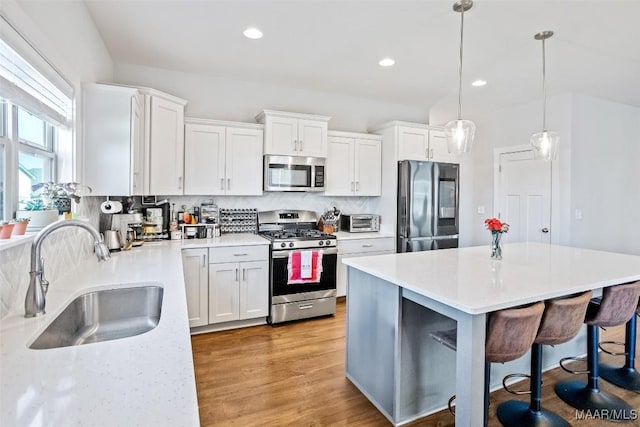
(544, 90)
(460, 71)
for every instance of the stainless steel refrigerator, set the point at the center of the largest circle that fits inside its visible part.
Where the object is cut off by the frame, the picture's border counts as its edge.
(428, 195)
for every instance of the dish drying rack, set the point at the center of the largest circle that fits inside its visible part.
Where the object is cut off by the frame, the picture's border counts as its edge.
(239, 221)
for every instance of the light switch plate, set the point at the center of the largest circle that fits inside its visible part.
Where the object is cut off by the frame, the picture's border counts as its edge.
(480, 210)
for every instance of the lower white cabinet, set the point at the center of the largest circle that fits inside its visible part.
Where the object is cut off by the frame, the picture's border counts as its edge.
(196, 279)
(356, 248)
(238, 290)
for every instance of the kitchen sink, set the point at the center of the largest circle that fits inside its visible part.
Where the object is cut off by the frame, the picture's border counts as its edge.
(104, 316)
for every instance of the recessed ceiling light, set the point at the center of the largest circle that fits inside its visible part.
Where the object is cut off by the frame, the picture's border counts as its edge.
(386, 62)
(479, 83)
(252, 33)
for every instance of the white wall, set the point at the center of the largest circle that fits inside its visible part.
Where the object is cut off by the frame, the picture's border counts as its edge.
(226, 99)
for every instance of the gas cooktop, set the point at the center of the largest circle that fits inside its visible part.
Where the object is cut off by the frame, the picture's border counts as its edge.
(293, 230)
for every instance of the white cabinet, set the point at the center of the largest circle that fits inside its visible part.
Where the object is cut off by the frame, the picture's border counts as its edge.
(423, 142)
(164, 142)
(357, 248)
(293, 134)
(238, 283)
(222, 158)
(113, 140)
(196, 279)
(353, 166)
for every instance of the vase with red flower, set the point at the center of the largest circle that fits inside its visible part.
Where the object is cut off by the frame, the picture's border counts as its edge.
(496, 227)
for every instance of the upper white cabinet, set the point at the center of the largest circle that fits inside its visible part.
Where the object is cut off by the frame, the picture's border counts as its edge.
(293, 134)
(164, 141)
(423, 142)
(222, 158)
(113, 140)
(353, 166)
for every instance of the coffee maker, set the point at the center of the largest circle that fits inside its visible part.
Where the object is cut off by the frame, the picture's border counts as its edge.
(160, 214)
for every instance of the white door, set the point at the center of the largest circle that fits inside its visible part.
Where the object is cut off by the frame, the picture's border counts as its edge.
(312, 138)
(282, 136)
(524, 197)
(244, 162)
(196, 281)
(224, 292)
(339, 167)
(368, 167)
(204, 159)
(254, 289)
(413, 144)
(166, 146)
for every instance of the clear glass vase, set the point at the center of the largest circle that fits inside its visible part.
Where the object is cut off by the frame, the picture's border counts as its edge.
(496, 245)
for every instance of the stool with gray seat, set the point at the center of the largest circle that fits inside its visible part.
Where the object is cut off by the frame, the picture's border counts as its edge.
(510, 334)
(617, 306)
(561, 322)
(626, 376)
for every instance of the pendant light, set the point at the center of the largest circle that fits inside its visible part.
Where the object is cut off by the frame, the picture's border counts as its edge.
(545, 143)
(460, 132)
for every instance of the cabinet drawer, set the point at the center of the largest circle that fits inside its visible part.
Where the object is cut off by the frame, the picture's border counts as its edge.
(238, 254)
(366, 245)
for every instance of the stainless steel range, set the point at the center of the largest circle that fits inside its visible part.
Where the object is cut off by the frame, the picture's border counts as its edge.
(303, 265)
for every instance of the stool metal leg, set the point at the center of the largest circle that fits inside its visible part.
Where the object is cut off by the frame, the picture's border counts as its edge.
(626, 376)
(515, 413)
(588, 397)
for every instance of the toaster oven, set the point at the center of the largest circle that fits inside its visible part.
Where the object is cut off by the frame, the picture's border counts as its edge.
(359, 223)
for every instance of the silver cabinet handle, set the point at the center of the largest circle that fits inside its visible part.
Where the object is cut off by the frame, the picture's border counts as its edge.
(237, 275)
(301, 147)
(244, 274)
(295, 145)
(305, 307)
(545, 230)
(228, 183)
(367, 246)
(179, 183)
(426, 153)
(239, 254)
(204, 260)
(357, 185)
(431, 155)
(222, 183)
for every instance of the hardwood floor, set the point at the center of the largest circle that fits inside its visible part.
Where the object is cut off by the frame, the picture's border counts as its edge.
(294, 375)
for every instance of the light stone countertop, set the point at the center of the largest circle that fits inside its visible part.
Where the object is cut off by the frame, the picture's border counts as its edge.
(145, 380)
(344, 235)
(238, 239)
(469, 280)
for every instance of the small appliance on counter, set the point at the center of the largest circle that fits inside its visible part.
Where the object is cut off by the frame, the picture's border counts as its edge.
(359, 223)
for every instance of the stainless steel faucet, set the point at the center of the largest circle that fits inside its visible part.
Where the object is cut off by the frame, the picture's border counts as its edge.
(35, 300)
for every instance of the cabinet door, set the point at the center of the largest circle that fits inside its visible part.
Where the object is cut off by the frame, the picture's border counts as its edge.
(341, 272)
(204, 159)
(281, 136)
(413, 144)
(166, 147)
(368, 167)
(224, 292)
(254, 289)
(438, 148)
(340, 167)
(244, 162)
(196, 280)
(137, 147)
(312, 138)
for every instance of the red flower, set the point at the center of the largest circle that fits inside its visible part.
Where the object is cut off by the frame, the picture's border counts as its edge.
(496, 226)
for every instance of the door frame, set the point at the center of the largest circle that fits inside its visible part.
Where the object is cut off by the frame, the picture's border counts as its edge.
(554, 204)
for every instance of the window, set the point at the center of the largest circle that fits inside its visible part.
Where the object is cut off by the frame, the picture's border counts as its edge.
(36, 105)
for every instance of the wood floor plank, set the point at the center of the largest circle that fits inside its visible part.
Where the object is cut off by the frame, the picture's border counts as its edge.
(293, 375)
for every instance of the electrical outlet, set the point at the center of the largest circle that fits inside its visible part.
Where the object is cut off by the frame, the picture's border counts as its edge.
(578, 215)
(480, 210)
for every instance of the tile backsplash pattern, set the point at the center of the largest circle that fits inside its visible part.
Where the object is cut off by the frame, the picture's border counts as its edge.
(62, 251)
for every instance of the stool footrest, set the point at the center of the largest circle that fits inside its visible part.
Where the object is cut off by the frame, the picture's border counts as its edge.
(613, 353)
(452, 409)
(512, 391)
(574, 359)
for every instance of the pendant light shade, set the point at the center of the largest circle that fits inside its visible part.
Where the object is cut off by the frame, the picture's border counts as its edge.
(460, 133)
(545, 144)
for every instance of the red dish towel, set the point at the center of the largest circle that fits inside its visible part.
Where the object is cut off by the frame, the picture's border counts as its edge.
(294, 268)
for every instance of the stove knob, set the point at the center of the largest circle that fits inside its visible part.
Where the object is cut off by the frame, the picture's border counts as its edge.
(321, 243)
(282, 245)
(291, 244)
(328, 242)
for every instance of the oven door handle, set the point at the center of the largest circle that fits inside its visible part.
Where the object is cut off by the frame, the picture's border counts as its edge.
(285, 254)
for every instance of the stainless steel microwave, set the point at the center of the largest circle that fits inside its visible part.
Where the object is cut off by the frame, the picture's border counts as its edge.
(292, 173)
(359, 223)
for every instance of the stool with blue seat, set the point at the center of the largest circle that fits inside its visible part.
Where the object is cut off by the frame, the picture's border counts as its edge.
(617, 306)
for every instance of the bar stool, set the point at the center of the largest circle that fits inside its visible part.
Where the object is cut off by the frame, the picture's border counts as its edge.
(626, 376)
(561, 322)
(510, 334)
(617, 306)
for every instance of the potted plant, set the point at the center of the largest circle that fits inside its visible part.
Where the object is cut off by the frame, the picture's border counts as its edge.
(54, 199)
(5, 231)
(20, 226)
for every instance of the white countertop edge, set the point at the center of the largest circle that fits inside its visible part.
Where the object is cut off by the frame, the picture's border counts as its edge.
(345, 235)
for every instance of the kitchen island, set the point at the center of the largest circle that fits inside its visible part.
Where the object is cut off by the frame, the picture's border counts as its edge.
(394, 301)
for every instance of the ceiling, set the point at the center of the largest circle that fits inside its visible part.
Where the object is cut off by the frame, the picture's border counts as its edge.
(335, 46)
